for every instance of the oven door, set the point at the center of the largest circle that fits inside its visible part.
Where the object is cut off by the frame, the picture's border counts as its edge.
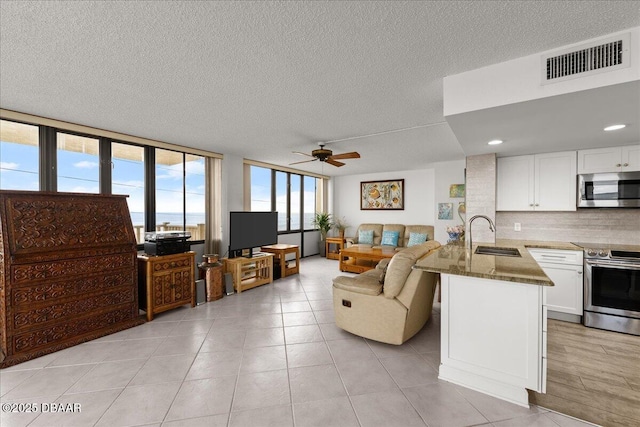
(612, 287)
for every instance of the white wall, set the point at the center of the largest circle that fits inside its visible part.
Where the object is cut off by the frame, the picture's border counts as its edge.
(232, 193)
(447, 173)
(519, 80)
(419, 194)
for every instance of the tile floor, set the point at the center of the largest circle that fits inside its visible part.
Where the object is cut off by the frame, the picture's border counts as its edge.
(271, 356)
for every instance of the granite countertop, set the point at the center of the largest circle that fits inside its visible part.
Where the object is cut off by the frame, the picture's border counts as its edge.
(454, 259)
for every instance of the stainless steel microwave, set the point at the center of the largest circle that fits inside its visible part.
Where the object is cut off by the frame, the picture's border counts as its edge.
(609, 190)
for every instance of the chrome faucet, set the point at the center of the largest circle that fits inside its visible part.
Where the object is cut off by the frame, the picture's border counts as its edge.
(492, 227)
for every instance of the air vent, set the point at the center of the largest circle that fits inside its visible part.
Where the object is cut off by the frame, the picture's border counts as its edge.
(586, 60)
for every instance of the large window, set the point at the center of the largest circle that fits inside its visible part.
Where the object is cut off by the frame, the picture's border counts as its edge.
(18, 156)
(312, 201)
(260, 189)
(296, 197)
(127, 177)
(180, 184)
(194, 195)
(78, 163)
(282, 195)
(165, 189)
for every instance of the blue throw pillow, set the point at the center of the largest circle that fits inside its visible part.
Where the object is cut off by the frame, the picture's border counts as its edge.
(390, 238)
(365, 237)
(416, 239)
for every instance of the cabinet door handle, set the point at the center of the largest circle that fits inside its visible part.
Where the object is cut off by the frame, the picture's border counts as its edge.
(618, 165)
(625, 164)
(537, 204)
(579, 272)
(531, 204)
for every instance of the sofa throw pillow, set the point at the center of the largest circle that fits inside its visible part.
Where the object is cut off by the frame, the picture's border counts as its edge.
(365, 237)
(416, 239)
(390, 238)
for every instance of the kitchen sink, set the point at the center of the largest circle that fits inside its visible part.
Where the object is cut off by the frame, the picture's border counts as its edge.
(491, 250)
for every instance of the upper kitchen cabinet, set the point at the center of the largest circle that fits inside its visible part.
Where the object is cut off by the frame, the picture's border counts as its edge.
(541, 182)
(612, 159)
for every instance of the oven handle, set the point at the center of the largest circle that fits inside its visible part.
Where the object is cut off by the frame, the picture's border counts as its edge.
(613, 264)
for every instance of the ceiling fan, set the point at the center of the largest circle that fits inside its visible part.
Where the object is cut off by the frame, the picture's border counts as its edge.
(327, 156)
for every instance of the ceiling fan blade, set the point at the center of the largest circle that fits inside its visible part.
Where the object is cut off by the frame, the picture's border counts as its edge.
(351, 155)
(333, 162)
(304, 161)
(304, 154)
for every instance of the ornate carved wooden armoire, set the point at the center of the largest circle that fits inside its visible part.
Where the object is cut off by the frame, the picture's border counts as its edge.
(68, 271)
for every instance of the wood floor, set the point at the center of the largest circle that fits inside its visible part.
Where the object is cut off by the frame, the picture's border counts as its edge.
(593, 375)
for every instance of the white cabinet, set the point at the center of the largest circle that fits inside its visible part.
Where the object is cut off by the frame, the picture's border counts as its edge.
(565, 269)
(612, 159)
(541, 182)
(493, 337)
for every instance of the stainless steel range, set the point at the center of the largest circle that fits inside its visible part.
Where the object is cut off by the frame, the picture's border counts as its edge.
(611, 287)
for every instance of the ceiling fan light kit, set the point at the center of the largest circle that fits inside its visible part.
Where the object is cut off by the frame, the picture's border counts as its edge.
(325, 155)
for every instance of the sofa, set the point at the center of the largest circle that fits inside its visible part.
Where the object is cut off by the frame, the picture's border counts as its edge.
(381, 231)
(389, 303)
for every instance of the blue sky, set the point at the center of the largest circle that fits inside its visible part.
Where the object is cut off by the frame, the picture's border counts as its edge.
(79, 172)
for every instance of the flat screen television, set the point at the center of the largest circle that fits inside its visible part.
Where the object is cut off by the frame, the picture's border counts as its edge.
(248, 230)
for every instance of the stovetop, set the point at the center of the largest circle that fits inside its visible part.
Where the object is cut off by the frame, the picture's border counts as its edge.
(606, 250)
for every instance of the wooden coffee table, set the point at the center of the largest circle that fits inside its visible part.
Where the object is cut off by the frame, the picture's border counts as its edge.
(357, 260)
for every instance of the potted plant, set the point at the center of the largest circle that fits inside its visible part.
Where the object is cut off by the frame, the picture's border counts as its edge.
(322, 222)
(341, 225)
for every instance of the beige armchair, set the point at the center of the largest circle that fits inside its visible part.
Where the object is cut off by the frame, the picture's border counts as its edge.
(390, 310)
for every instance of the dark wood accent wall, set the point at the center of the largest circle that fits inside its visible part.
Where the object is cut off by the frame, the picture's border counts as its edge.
(68, 271)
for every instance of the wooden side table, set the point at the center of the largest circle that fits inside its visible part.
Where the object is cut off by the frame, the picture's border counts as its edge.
(338, 242)
(166, 282)
(280, 251)
(249, 272)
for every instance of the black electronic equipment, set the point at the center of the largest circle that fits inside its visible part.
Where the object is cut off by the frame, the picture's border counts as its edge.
(166, 242)
(250, 230)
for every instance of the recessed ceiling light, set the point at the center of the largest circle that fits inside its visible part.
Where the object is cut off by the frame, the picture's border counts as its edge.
(495, 142)
(614, 127)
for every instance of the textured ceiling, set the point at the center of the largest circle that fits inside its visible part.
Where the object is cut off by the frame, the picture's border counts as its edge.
(262, 79)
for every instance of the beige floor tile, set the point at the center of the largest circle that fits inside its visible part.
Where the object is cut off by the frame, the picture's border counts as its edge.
(199, 398)
(223, 339)
(297, 319)
(262, 359)
(264, 337)
(163, 369)
(332, 332)
(349, 350)
(215, 364)
(410, 370)
(495, 409)
(108, 375)
(11, 379)
(139, 405)
(315, 383)
(440, 405)
(265, 321)
(261, 389)
(91, 407)
(302, 334)
(295, 306)
(186, 344)
(308, 354)
(274, 416)
(134, 349)
(536, 420)
(48, 382)
(385, 409)
(364, 376)
(211, 421)
(192, 327)
(336, 412)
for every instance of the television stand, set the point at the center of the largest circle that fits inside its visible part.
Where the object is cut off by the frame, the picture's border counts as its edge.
(249, 273)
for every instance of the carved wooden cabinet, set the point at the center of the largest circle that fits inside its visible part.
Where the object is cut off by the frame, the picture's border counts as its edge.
(67, 271)
(166, 282)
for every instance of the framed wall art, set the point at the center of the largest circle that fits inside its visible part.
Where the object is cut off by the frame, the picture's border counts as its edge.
(456, 190)
(445, 210)
(382, 195)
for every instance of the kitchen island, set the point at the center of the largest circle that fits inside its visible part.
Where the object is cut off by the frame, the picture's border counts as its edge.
(493, 318)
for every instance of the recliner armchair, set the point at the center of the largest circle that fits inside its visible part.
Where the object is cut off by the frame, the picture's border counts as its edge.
(387, 304)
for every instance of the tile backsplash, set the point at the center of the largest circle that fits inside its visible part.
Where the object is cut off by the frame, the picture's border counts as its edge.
(616, 226)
